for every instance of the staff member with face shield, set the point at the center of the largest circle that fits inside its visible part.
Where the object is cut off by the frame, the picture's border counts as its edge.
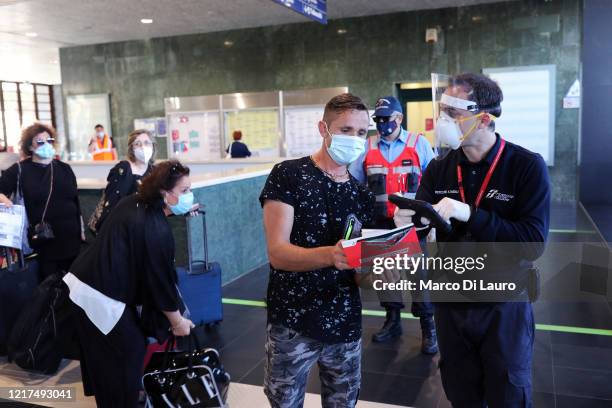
(491, 191)
(130, 264)
(393, 163)
(314, 308)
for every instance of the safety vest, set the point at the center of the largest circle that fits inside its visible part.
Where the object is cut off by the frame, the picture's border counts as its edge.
(384, 178)
(104, 150)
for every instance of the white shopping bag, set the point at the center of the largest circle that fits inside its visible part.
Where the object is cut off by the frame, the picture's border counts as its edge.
(11, 226)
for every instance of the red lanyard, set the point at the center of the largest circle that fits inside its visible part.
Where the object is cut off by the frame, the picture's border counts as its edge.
(485, 183)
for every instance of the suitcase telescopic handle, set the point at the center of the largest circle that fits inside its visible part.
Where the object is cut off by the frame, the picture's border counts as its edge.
(200, 212)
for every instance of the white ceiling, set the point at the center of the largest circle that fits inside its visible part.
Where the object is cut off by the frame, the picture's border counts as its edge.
(64, 23)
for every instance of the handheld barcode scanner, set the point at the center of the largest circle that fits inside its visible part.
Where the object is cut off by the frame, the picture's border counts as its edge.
(421, 209)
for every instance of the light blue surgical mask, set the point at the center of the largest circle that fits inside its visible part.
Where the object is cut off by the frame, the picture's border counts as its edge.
(184, 204)
(345, 149)
(45, 151)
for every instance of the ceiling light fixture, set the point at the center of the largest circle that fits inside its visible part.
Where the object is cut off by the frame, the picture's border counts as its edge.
(31, 35)
(146, 20)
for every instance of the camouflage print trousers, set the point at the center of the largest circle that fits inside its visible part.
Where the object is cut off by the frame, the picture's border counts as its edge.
(290, 356)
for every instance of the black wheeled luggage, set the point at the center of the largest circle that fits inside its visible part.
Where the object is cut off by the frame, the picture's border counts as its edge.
(18, 281)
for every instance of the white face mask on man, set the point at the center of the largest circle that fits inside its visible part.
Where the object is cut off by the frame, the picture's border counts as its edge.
(449, 132)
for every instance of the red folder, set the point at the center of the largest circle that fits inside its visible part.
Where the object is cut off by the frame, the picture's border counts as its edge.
(361, 252)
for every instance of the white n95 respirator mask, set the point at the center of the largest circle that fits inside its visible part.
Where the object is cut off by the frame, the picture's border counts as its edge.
(448, 132)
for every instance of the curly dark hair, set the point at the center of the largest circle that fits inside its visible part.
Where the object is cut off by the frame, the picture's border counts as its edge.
(28, 134)
(164, 176)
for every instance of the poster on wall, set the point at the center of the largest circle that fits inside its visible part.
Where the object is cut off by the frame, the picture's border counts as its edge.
(528, 108)
(84, 112)
(161, 127)
(301, 130)
(194, 136)
(260, 130)
(148, 124)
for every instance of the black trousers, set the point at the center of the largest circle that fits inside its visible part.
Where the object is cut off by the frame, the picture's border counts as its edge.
(486, 353)
(111, 365)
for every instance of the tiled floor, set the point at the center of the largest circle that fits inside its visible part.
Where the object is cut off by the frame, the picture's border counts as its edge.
(569, 369)
(240, 395)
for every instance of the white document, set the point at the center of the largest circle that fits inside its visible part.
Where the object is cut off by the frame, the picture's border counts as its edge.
(11, 225)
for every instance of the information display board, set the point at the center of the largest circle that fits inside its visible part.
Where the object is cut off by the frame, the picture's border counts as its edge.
(528, 108)
(301, 131)
(155, 126)
(194, 135)
(314, 9)
(259, 127)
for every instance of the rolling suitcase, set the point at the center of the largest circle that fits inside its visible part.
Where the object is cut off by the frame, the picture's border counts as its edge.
(18, 281)
(200, 282)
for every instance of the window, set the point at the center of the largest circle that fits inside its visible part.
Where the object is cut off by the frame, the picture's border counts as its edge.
(21, 104)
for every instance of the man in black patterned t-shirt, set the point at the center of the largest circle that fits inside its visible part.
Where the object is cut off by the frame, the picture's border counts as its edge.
(314, 309)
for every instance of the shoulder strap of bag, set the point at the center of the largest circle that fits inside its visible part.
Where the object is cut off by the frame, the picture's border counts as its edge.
(18, 190)
(50, 192)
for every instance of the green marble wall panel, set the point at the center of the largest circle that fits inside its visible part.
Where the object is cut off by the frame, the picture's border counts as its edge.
(375, 54)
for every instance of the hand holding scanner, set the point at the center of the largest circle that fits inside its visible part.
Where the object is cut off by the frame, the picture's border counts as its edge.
(421, 209)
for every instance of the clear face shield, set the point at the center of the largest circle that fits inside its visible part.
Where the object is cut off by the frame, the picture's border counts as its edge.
(448, 112)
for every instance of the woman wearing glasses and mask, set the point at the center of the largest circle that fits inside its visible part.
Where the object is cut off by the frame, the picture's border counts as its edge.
(51, 200)
(125, 177)
(130, 264)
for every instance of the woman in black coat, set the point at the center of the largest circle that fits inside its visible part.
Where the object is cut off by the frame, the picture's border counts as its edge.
(125, 177)
(130, 264)
(50, 194)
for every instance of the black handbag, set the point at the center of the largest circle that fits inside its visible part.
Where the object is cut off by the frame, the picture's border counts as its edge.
(40, 335)
(194, 378)
(42, 231)
(18, 281)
